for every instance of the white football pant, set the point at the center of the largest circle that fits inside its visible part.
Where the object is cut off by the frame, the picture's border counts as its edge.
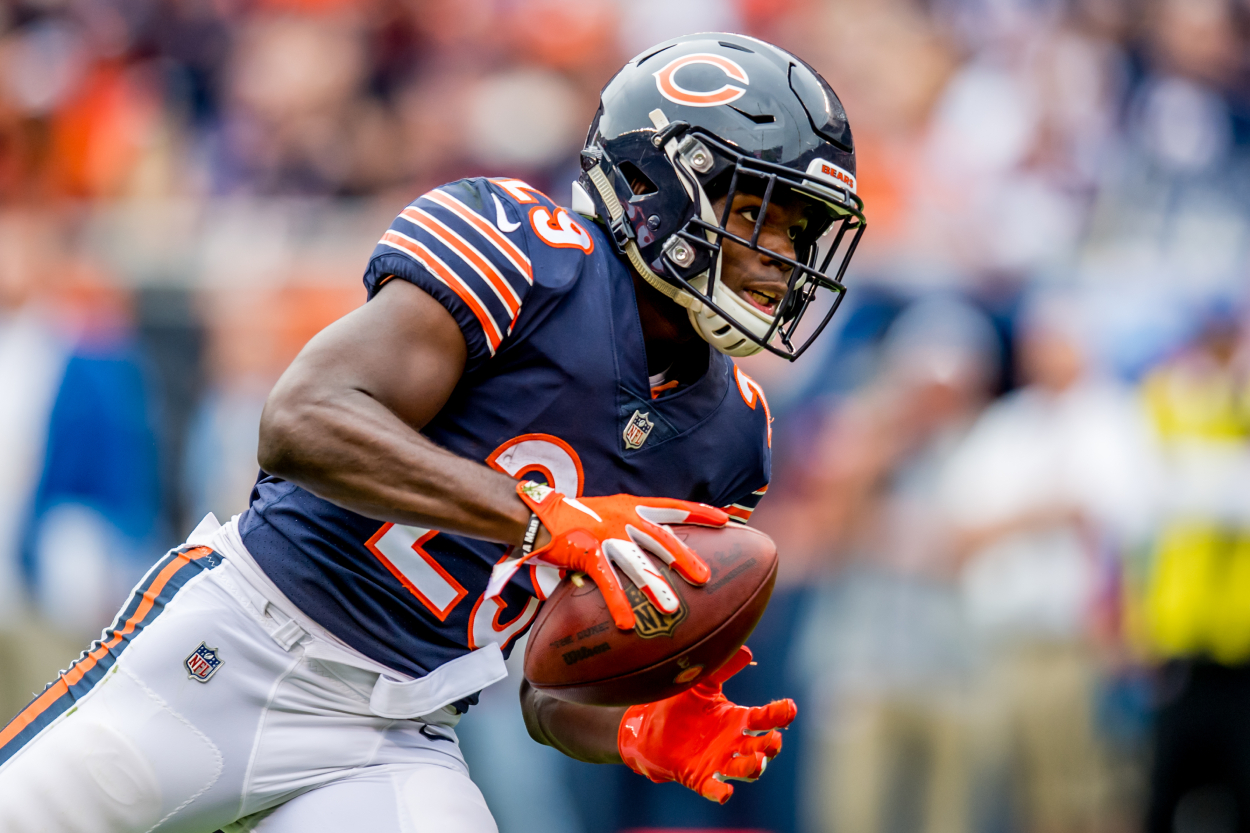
(140, 734)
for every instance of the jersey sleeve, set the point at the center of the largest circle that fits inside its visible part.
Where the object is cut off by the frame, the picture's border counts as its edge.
(740, 510)
(462, 243)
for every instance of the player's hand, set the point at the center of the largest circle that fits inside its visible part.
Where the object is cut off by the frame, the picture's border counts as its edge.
(591, 534)
(699, 739)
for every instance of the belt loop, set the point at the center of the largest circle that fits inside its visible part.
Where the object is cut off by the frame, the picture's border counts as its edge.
(288, 633)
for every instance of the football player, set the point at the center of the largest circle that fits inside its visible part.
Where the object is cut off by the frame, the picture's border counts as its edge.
(528, 390)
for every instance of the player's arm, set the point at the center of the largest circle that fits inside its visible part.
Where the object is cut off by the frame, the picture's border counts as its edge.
(697, 738)
(343, 422)
(586, 733)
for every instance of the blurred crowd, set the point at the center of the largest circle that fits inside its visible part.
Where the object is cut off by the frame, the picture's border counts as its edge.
(1011, 487)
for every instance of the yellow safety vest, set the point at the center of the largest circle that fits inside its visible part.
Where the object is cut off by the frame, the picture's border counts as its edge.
(1196, 595)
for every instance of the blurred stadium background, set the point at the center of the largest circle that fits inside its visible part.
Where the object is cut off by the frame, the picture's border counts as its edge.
(1012, 488)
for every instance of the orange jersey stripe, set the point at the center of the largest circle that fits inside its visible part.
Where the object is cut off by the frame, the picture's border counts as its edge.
(520, 190)
(738, 512)
(658, 389)
(502, 289)
(506, 247)
(751, 390)
(452, 281)
(76, 672)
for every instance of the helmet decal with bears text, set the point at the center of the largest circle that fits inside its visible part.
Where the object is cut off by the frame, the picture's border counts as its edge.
(670, 89)
(836, 174)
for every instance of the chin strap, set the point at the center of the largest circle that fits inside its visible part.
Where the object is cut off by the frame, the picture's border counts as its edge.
(616, 214)
(705, 321)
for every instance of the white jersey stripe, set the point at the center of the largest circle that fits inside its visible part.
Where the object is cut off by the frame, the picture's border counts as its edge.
(496, 238)
(440, 270)
(471, 256)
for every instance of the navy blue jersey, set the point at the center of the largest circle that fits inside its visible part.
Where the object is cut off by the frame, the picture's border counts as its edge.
(555, 388)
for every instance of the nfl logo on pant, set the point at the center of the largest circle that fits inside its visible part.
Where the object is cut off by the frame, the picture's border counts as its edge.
(203, 663)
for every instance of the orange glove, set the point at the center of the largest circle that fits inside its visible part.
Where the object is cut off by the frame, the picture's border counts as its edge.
(588, 533)
(699, 739)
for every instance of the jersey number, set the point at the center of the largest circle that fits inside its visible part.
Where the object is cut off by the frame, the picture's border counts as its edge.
(401, 548)
(560, 230)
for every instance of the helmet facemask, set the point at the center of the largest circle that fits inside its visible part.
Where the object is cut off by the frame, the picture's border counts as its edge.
(689, 268)
(694, 256)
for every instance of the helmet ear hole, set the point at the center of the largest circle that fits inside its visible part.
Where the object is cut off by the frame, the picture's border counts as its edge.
(639, 182)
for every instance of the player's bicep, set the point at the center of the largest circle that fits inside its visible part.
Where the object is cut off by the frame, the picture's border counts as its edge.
(418, 354)
(403, 349)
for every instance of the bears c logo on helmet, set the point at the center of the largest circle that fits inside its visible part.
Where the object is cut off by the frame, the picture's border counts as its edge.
(670, 89)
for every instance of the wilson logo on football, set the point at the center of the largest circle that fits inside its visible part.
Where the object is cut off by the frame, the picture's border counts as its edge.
(666, 80)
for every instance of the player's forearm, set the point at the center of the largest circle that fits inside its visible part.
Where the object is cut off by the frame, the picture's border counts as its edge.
(346, 447)
(587, 733)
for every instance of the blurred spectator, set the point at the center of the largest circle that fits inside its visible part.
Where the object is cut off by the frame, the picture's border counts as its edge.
(648, 22)
(524, 120)
(1053, 483)
(1195, 614)
(892, 653)
(1175, 199)
(98, 518)
(80, 513)
(889, 63)
(253, 334)
(297, 120)
(32, 362)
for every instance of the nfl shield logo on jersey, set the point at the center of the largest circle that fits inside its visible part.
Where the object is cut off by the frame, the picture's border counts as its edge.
(203, 664)
(637, 429)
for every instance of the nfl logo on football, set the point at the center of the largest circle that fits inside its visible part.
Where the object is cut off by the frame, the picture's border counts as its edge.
(638, 429)
(203, 663)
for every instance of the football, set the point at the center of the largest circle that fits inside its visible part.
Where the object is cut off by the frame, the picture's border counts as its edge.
(576, 653)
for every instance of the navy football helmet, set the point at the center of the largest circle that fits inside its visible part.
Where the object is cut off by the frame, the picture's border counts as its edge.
(706, 116)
